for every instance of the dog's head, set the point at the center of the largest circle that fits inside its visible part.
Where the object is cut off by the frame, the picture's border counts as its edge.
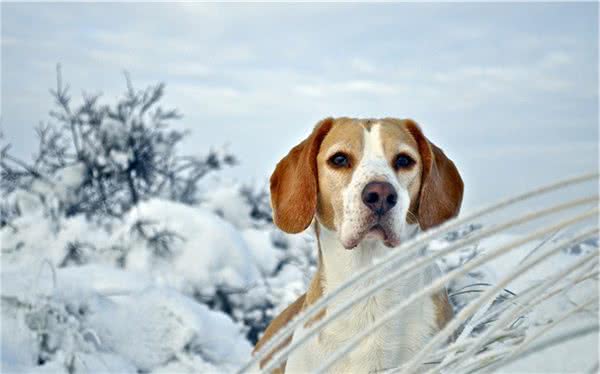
(365, 178)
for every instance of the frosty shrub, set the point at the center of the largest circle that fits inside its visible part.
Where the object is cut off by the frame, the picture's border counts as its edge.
(136, 249)
(103, 159)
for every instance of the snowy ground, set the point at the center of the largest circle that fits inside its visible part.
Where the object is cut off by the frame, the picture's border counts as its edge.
(142, 293)
(577, 355)
(180, 288)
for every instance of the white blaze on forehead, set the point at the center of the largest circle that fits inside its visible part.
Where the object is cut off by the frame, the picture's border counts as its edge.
(373, 164)
(373, 143)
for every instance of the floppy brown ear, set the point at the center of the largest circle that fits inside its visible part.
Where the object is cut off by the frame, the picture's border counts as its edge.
(441, 185)
(294, 182)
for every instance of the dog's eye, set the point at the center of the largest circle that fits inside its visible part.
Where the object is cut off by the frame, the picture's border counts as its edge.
(339, 160)
(403, 161)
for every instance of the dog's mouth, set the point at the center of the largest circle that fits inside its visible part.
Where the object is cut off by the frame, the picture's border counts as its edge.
(376, 232)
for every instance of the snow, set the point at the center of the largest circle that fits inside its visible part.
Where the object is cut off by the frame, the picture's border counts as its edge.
(209, 251)
(122, 304)
(164, 322)
(573, 356)
(171, 287)
(114, 133)
(121, 159)
(37, 239)
(261, 247)
(229, 204)
(64, 184)
(127, 316)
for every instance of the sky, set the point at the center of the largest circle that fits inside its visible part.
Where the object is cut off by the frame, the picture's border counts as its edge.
(509, 91)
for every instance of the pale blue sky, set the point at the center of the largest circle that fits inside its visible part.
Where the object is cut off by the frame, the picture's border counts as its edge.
(510, 91)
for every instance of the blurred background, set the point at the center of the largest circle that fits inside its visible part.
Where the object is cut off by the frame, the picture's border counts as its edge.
(137, 142)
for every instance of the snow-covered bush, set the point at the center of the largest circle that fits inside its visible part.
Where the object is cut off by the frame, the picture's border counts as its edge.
(246, 275)
(98, 318)
(114, 258)
(103, 159)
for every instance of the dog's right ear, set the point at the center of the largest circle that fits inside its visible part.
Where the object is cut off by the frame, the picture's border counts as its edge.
(294, 183)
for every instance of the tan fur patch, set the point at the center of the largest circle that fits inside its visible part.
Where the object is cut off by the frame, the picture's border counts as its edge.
(279, 322)
(345, 136)
(443, 309)
(442, 187)
(396, 137)
(294, 184)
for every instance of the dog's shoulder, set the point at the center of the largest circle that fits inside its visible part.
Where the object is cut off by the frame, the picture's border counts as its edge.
(278, 323)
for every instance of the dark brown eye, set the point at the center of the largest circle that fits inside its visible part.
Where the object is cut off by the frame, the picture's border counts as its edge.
(403, 161)
(339, 160)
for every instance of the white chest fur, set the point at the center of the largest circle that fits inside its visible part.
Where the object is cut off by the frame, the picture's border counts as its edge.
(390, 345)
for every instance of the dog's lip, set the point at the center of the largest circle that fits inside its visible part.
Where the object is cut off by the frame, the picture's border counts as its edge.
(378, 228)
(391, 244)
(388, 240)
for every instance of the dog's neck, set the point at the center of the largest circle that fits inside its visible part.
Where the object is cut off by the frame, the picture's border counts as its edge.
(338, 264)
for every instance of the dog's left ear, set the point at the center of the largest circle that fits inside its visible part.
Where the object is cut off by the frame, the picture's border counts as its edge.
(294, 184)
(441, 185)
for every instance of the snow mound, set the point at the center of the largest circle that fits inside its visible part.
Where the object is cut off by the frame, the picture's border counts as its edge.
(101, 318)
(207, 251)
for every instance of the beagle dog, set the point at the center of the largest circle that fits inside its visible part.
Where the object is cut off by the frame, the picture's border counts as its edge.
(367, 185)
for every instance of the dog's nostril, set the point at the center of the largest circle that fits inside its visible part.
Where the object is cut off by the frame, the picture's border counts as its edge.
(372, 197)
(392, 199)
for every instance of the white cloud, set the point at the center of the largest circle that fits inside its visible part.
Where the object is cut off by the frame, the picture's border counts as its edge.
(202, 92)
(7, 41)
(367, 87)
(362, 66)
(545, 75)
(114, 58)
(556, 59)
(189, 69)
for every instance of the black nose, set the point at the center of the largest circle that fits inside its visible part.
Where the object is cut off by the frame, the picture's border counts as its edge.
(380, 197)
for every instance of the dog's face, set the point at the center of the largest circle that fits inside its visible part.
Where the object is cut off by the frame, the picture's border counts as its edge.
(369, 174)
(365, 179)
